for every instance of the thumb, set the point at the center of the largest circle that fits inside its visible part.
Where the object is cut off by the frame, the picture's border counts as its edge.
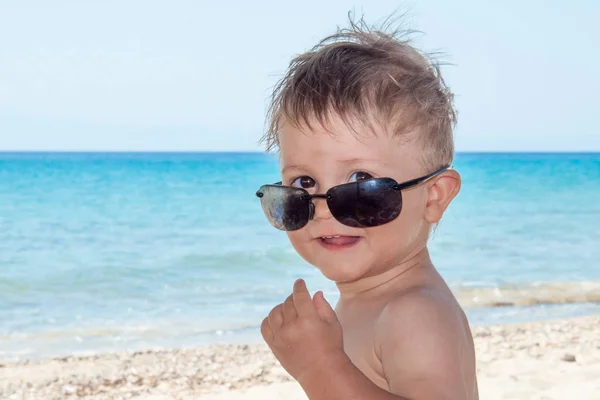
(324, 308)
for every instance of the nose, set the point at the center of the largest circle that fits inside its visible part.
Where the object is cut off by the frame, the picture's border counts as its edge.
(319, 209)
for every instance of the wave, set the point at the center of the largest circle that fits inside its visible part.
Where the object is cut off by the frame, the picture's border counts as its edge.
(263, 259)
(538, 293)
(124, 332)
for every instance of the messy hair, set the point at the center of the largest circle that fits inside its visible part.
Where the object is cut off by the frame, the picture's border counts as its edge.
(366, 75)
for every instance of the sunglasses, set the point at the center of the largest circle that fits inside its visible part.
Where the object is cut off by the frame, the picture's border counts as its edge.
(368, 203)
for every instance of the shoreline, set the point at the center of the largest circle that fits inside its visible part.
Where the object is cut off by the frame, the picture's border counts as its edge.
(80, 343)
(559, 358)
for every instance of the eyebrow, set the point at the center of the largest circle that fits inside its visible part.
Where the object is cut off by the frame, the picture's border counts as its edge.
(291, 166)
(349, 161)
(352, 161)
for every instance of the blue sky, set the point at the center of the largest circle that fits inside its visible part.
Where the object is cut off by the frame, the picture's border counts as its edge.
(196, 75)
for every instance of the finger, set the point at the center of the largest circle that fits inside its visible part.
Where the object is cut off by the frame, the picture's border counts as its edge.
(289, 309)
(324, 309)
(302, 300)
(266, 331)
(276, 317)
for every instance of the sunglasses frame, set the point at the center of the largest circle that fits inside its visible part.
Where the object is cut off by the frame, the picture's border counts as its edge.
(395, 186)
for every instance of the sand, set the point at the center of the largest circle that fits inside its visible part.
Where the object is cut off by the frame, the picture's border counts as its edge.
(534, 361)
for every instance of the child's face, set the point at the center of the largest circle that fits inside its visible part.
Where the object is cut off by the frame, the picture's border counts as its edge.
(317, 160)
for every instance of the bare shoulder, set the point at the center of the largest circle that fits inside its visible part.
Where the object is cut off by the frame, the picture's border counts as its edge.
(426, 345)
(425, 316)
(423, 306)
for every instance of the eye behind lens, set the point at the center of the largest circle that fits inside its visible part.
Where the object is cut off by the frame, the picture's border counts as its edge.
(366, 203)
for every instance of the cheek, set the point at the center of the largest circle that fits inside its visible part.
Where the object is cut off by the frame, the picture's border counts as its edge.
(413, 206)
(405, 229)
(298, 240)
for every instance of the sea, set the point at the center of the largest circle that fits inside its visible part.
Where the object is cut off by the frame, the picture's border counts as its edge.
(126, 251)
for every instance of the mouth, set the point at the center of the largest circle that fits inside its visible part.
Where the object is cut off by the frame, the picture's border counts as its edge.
(338, 242)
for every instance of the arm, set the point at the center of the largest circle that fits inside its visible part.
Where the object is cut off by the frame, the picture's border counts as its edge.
(341, 380)
(306, 337)
(422, 347)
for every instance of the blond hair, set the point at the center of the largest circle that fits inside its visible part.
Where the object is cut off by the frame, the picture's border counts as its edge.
(365, 74)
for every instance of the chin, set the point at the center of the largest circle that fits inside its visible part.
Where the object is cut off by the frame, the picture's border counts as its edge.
(338, 268)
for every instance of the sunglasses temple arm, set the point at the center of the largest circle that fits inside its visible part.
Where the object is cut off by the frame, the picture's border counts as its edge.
(420, 180)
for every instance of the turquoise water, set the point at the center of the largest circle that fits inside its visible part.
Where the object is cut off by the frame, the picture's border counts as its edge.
(103, 252)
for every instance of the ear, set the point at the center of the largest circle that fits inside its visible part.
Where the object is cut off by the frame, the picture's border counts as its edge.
(442, 191)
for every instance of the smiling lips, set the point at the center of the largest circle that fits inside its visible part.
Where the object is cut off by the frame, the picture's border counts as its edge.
(337, 242)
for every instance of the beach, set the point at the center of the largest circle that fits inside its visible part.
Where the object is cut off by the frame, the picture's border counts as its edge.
(153, 212)
(556, 359)
(121, 278)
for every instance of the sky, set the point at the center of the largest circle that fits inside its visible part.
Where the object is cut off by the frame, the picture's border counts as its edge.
(197, 75)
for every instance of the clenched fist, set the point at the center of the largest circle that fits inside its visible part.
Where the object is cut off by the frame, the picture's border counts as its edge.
(304, 333)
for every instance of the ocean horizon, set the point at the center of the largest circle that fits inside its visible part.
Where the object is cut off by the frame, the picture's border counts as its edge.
(105, 251)
(125, 152)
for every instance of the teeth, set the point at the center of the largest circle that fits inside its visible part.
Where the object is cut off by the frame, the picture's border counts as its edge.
(330, 237)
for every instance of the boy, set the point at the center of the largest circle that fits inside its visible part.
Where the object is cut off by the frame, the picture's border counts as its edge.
(363, 123)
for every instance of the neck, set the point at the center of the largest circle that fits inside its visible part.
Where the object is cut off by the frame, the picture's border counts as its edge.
(386, 278)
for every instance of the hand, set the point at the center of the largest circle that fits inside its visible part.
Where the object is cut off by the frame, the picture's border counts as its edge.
(303, 333)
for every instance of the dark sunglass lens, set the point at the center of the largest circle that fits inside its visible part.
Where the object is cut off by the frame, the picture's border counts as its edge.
(369, 203)
(286, 208)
